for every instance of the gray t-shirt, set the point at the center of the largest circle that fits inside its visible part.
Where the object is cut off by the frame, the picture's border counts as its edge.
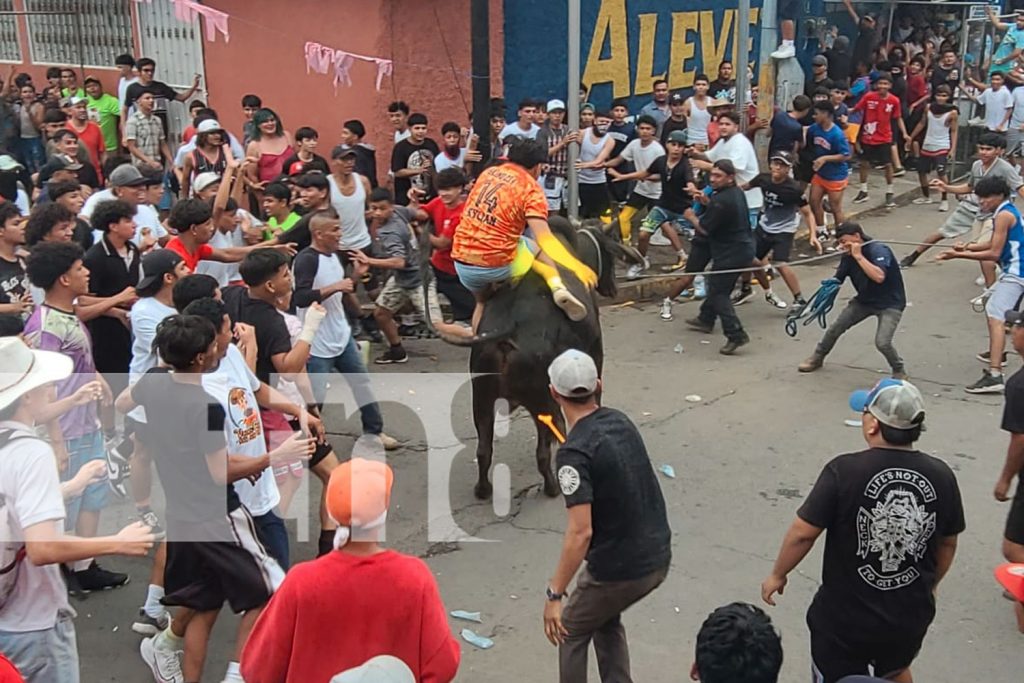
(1001, 168)
(395, 238)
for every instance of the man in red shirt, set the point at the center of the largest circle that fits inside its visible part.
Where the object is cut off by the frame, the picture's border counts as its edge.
(444, 211)
(879, 109)
(88, 132)
(356, 603)
(193, 221)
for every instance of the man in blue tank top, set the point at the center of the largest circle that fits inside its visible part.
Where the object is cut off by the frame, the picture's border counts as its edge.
(1004, 248)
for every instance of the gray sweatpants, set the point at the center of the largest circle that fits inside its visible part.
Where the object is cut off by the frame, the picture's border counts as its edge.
(855, 312)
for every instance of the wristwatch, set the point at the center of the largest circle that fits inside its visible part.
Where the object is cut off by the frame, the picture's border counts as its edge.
(553, 596)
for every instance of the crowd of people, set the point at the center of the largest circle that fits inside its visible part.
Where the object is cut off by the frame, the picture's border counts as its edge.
(149, 285)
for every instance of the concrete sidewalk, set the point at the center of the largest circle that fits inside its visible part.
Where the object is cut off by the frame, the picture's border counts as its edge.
(654, 284)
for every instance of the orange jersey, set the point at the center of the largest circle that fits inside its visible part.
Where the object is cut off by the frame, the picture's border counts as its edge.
(495, 214)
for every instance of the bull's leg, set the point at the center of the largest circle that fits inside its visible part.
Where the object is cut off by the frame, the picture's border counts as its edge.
(544, 442)
(485, 393)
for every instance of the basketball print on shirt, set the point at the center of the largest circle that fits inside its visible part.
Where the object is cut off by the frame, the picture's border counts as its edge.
(893, 535)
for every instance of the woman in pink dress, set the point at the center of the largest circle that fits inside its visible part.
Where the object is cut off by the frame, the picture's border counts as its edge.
(271, 145)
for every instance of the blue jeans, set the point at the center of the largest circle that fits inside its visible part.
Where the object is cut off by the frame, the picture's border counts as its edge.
(349, 363)
(274, 536)
(49, 656)
(32, 153)
(81, 450)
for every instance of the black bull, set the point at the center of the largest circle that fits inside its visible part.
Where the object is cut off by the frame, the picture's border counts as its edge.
(522, 331)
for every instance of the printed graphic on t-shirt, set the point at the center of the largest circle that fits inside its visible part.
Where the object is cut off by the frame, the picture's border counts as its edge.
(568, 479)
(245, 420)
(896, 530)
(421, 158)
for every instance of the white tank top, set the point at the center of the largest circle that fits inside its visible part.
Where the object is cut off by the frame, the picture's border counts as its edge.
(588, 152)
(697, 124)
(351, 212)
(936, 136)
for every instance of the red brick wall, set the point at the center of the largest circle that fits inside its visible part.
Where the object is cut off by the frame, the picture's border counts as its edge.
(265, 56)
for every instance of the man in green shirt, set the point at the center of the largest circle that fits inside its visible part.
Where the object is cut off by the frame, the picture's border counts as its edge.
(105, 110)
(277, 203)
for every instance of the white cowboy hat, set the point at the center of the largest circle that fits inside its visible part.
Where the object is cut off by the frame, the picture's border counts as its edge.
(380, 669)
(25, 369)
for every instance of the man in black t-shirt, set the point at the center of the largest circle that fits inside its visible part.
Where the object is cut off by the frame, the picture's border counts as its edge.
(412, 162)
(875, 274)
(617, 521)
(892, 516)
(673, 208)
(946, 72)
(1013, 422)
(161, 92)
(724, 87)
(15, 296)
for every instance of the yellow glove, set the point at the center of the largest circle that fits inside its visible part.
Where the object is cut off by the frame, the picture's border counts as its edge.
(560, 255)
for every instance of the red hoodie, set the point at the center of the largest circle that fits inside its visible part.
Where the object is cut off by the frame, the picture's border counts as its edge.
(338, 611)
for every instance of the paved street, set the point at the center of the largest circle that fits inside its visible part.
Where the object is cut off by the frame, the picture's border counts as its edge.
(745, 456)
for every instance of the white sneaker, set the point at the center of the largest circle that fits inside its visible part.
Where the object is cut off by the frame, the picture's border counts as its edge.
(637, 269)
(658, 239)
(573, 307)
(164, 664)
(976, 121)
(944, 205)
(773, 298)
(980, 281)
(785, 51)
(666, 310)
(922, 200)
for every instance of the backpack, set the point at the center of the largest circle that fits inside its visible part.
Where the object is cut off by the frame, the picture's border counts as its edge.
(11, 552)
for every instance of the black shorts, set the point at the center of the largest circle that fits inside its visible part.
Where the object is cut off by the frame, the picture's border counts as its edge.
(203, 575)
(927, 164)
(834, 657)
(458, 296)
(700, 256)
(1014, 532)
(789, 10)
(594, 200)
(780, 244)
(803, 171)
(638, 201)
(322, 449)
(876, 155)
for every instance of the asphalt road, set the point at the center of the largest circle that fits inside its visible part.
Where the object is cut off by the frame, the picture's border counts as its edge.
(744, 456)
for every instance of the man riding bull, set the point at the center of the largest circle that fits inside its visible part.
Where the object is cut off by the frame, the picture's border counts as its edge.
(504, 233)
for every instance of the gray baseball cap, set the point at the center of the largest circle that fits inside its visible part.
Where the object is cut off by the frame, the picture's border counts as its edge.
(893, 402)
(127, 175)
(573, 374)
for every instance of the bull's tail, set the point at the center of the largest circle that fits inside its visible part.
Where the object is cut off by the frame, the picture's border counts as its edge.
(432, 309)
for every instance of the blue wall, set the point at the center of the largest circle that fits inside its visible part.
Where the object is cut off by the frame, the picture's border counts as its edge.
(675, 38)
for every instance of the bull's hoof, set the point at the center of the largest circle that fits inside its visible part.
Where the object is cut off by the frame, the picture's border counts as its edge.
(483, 490)
(551, 487)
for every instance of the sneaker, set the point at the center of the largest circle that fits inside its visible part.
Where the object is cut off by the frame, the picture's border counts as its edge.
(75, 589)
(700, 325)
(773, 298)
(390, 443)
(146, 625)
(944, 205)
(785, 51)
(986, 385)
(980, 281)
(799, 302)
(700, 288)
(637, 269)
(985, 355)
(909, 260)
(118, 468)
(164, 664)
(666, 310)
(743, 296)
(976, 121)
(395, 354)
(861, 197)
(978, 303)
(95, 578)
(658, 239)
(890, 202)
(678, 265)
(732, 345)
(812, 363)
(149, 518)
(573, 308)
(898, 172)
(687, 295)
(922, 200)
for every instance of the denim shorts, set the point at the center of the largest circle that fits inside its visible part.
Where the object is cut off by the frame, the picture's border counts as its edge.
(81, 450)
(49, 656)
(480, 278)
(658, 216)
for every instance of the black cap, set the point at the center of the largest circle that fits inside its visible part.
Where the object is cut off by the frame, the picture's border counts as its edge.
(783, 156)
(676, 98)
(155, 265)
(343, 151)
(1014, 317)
(54, 164)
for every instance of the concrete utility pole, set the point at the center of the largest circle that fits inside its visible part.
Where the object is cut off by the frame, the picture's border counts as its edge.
(572, 103)
(742, 60)
(480, 30)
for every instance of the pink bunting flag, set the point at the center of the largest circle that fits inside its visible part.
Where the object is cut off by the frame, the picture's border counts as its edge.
(327, 60)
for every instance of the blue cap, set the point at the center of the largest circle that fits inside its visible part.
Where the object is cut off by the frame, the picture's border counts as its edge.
(893, 402)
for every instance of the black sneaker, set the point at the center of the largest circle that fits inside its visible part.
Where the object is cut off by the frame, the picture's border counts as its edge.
(986, 385)
(149, 518)
(861, 197)
(909, 260)
(985, 355)
(395, 354)
(890, 200)
(799, 302)
(732, 345)
(118, 466)
(75, 589)
(95, 578)
(743, 296)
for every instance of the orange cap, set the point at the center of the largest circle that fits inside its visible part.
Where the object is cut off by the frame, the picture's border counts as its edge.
(359, 491)
(1011, 576)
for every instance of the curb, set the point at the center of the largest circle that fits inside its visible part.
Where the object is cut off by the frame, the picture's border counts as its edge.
(655, 286)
